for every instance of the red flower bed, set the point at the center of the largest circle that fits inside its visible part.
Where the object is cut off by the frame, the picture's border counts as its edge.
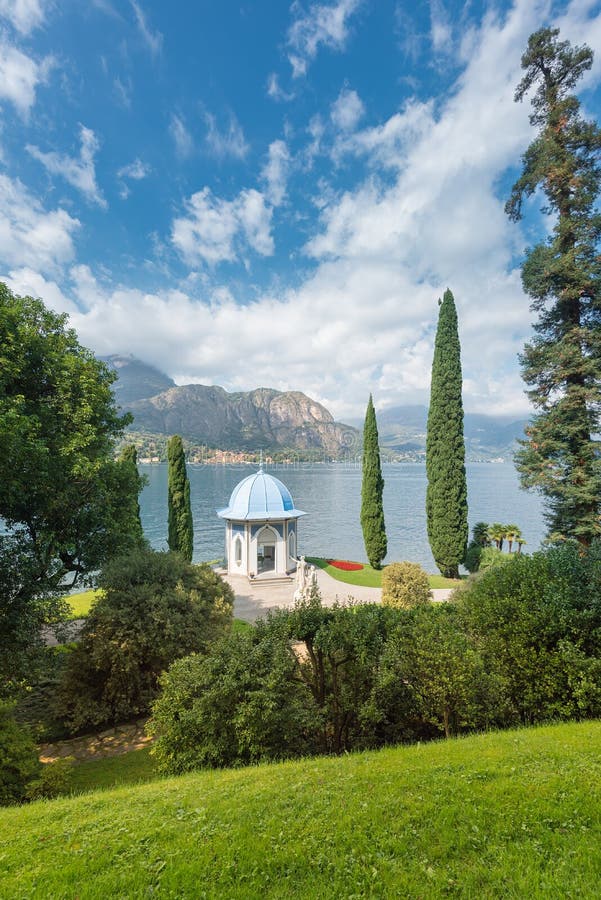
(345, 565)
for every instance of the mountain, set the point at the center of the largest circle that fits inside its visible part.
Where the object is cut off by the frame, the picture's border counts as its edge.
(242, 421)
(402, 429)
(136, 379)
(263, 418)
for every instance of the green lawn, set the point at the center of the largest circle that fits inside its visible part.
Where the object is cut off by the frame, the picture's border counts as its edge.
(112, 771)
(368, 577)
(513, 814)
(81, 603)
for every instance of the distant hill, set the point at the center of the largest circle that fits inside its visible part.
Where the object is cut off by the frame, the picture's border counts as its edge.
(137, 380)
(263, 418)
(403, 429)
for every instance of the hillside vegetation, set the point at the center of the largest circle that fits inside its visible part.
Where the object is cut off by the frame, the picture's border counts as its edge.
(512, 814)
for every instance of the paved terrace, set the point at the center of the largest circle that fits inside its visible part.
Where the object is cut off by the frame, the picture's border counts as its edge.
(256, 600)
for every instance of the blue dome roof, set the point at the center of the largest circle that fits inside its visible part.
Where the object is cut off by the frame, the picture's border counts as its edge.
(260, 497)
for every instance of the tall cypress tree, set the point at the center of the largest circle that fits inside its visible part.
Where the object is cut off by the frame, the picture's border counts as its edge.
(446, 496)
(181, 531)
(129, 460)
(562, 275)
(372, 510)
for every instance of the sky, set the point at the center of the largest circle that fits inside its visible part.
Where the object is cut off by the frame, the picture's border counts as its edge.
(266, 193)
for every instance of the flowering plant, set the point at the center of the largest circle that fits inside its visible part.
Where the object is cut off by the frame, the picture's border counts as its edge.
(345, 565)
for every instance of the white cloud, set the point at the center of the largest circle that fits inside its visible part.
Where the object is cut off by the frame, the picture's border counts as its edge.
(441, 32)
(322, 24)
(230, 142)
(123, 91)
(20, 76)
(215, 230)
(24, 15)
(79, 172)
(181, 136)
(152, 39)
(275, 91)
(136, 170)
(27, 282)
(347, 110)
(30, 236)
(275, 172)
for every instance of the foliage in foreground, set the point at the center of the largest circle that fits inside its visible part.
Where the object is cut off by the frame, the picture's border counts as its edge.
(446, 494)
(520, 644)
(562, 363)
(495, 815)
(154, 608)
(372, 488)
(63, 498)
(22, 777)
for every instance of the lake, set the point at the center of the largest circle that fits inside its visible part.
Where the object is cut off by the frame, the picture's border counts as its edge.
(330, 494)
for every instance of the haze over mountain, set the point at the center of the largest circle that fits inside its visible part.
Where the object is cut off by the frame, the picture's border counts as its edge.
(403, 429)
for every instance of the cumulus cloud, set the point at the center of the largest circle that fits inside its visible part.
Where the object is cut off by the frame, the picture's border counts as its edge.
(324, 24)
(79, 172)
(136, 171)
(229, 142)
(31, 236)
(182, 138)
(384, 251)
(24, 15)
(20, 76)
(214, 230)
(347, 110)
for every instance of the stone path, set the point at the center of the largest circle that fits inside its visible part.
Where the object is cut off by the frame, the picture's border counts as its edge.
(256, 600)
(112, 742)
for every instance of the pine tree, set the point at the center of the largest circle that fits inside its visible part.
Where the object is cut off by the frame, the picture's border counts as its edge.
(129, 460)
(562, 276)
(372, 510)
(446, 496)
(181, 531)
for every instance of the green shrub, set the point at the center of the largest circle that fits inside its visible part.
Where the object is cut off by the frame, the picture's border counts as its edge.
(19, 763)
(54, 780)
(491, 557)
(472, 559)
(537, 622)
(404, 585)
(154, 609)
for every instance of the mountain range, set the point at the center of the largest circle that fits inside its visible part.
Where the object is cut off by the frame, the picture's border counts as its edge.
(269, 419)
(260, 419)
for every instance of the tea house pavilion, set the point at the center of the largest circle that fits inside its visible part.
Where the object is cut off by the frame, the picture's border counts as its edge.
(261, 528)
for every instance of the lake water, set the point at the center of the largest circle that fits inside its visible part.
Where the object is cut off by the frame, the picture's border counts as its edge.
(330, 494)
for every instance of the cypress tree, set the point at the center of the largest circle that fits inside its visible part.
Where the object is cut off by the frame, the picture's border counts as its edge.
(372, 510)
(129, 461)
(562, 276)
(181, 531)
(446, 496)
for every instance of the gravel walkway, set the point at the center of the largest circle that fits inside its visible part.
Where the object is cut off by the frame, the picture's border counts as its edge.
(255, 600)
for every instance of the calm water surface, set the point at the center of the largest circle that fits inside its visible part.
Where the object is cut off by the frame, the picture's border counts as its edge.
(330, 494)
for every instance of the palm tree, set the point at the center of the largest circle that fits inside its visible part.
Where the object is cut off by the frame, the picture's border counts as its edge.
(512, 532)
(497, 534)
(521, 542)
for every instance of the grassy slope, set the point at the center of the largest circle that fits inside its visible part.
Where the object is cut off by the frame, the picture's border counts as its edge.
(81, 603)
(368, 577)
(134, 767)
(511, 814)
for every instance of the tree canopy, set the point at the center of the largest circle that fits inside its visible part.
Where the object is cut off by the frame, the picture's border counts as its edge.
(372, 488)
(63, 499)
(562, 275)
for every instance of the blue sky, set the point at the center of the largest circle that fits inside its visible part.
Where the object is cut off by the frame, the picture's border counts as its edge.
(275, 194)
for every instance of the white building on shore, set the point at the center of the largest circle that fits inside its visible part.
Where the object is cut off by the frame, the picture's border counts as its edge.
(261, 528)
